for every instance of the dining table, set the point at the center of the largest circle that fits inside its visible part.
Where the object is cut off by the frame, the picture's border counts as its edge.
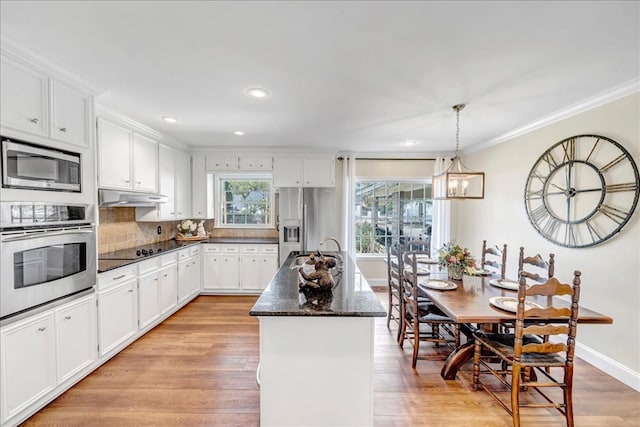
(473, 303)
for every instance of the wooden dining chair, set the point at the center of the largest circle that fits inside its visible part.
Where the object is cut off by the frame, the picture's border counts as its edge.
(419, 244)
(422, 320)
(497, 260)
(394, 277)
(539, 270)
(520, 353)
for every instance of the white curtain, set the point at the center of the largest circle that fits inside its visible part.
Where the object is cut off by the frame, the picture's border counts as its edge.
(441, 228)
(348, 204)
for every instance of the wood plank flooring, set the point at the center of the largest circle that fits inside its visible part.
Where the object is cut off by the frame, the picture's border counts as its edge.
(198, 368)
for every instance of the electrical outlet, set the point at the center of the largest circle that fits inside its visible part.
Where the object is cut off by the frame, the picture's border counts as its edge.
(159, 229)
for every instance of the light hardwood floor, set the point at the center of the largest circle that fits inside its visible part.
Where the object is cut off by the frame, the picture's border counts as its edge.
(198, 368)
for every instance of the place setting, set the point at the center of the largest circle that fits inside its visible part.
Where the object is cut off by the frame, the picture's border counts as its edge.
(510, 285)
(510, 304)
(439, 285)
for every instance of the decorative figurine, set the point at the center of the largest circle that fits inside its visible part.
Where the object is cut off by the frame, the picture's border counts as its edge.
(201, 231)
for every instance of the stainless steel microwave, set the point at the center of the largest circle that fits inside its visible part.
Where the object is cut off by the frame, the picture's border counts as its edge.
(36, 167)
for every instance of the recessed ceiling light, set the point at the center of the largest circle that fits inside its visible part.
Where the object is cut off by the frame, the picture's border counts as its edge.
(257, 92)
(170, 119)
(239, 133)
(409, 142)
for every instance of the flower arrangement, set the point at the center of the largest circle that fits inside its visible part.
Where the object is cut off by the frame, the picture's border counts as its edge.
(456, 259)
(187, 227)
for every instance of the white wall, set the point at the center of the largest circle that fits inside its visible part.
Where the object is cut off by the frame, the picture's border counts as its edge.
(610, 271)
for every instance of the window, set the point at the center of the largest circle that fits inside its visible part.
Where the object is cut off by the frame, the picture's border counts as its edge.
(390, 212)
(245, 201)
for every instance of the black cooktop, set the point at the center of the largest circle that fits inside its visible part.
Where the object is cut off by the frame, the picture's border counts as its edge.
(143, 251)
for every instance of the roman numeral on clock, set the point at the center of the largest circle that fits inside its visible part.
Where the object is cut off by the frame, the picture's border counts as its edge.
(615, 214)
(627, 186)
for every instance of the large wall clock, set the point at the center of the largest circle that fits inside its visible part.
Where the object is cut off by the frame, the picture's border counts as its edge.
(582, 191)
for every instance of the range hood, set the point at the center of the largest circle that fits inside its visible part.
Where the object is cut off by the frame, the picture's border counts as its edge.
(114, 198)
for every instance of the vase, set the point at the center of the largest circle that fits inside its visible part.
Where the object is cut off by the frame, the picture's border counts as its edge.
(455, 272)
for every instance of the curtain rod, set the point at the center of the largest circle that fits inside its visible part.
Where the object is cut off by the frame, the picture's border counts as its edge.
(386, 158)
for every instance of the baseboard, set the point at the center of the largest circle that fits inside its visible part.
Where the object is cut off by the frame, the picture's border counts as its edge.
(609, 366)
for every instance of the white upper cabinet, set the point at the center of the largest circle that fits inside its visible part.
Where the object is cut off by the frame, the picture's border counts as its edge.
(256, 163)
(199, 187)
(126, 160)
(167, 182)
(182, 188)
(224, 162)
(69, 114)
(304, 172)
(114, 155)
(33, 102)
(144, 167)
(24, 98)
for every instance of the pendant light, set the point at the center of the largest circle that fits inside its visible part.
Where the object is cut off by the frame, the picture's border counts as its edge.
(458, 182)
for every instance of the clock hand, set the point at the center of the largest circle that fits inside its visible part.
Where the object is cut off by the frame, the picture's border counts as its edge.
(555, 193)
(590, 190)
(558, 187)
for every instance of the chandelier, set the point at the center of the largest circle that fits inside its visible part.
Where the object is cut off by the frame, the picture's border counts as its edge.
(458, 182)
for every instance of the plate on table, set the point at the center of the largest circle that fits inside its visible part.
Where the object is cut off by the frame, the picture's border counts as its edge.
(440, 285)
(422, 269)
(426, 260)
(482, 273)
(511, 285)
(511, 304)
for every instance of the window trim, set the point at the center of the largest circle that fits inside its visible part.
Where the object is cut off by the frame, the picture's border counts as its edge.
(219, 203)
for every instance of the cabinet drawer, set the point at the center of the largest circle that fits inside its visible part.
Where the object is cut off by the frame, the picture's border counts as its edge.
(194, 250)
(247, 249)
(230, 249)
(167, 259)
(183, 254)
(148, 265)
(269, 249)
(211, 249)
(119, 275)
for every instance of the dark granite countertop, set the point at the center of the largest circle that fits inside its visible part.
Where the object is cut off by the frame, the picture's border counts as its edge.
(351, 297)
(111, 260)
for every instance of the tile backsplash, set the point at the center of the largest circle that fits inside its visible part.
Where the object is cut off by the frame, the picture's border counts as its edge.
(118, 229)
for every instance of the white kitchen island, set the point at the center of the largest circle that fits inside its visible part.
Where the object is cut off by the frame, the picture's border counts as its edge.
(317, 359)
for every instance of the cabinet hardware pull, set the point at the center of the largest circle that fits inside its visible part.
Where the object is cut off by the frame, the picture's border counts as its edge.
(138, 182)
(165, 275)
(126, 180)
(120, 277)
(42, 328)
(63, 129)
(35, 120)
(130, 291)
(67, 317)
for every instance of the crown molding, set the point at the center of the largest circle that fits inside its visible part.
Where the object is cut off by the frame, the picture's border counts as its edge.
(17, 52)
(613, 94)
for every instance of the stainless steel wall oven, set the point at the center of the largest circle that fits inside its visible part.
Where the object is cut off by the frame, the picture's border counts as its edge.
(36, 167)
(47, 252)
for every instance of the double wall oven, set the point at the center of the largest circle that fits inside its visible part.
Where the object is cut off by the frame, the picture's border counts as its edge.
(47, 253)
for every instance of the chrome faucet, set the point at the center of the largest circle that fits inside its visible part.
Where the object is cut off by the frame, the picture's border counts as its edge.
(334, 239)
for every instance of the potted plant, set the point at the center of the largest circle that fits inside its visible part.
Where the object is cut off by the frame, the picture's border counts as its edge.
(456, 259)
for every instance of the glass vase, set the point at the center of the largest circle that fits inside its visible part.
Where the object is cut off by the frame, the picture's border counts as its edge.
(455, 272)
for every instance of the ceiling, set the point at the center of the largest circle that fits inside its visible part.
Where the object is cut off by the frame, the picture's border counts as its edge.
(355, 76)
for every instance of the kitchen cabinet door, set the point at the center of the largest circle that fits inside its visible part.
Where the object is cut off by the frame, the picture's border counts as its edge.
(69, 114)
(196, 274)
(256, 163)
(199, 187)
(182, 188)
(148, 299)
(23, 98)
(145, 164)
(250, 272)
(77, 336)
(167, 182)
(319, 172)
(268, 268)
(212, 269)
(117, 315)
(168, 288)
(114, 156)
(287, 172)
(27, 362)
(228, 162)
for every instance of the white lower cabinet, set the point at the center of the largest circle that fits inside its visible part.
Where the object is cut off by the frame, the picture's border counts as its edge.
(245, 268)
(117, 315)
(39, 354)
(28, 370)
(189, 274)
(168, 287)
(76, 336)
(148, 299)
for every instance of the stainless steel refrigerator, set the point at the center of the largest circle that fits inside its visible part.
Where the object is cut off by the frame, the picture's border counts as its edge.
(307, 216)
